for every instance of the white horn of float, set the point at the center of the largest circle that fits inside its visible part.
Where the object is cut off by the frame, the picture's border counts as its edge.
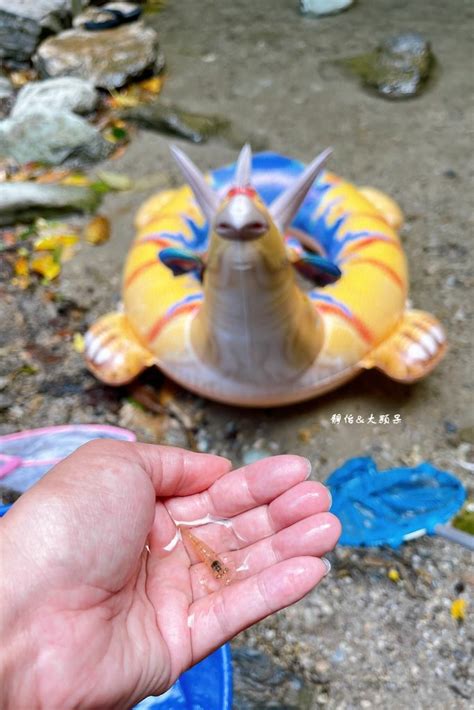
(206, 197)
(243, 169)
(286, 205)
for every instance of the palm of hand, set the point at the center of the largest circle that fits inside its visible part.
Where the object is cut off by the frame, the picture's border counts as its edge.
(120, 617)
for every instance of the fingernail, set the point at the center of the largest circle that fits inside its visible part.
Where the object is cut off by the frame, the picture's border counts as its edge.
(327, 564)
(310, 468)
(330, 497)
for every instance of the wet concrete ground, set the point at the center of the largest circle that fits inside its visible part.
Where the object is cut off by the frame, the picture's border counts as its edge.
(360, 640)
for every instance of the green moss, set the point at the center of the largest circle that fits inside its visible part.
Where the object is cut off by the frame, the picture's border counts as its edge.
(465, 520)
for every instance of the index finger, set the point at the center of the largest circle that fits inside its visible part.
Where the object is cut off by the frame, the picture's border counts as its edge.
(243, 489)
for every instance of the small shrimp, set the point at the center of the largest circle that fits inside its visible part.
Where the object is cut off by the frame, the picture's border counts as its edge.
(207, 555)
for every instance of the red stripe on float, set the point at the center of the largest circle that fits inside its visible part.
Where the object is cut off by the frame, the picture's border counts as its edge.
(139, 270)
(164, 320)
(159, 241)
(361, 328)
(366, 241)
(383, 267)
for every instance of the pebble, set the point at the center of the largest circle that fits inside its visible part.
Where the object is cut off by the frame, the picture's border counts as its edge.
(28, 200)
(24, 22)
(320, 8)
(398, 68)
(169, 118)
(52, 138)
(61, 94)
(6, 89)
(109, 59)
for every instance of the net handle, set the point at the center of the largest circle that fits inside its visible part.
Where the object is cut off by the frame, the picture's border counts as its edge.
(454, 535)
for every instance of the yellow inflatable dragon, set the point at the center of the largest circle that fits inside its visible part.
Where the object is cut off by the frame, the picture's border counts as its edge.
(263, 284)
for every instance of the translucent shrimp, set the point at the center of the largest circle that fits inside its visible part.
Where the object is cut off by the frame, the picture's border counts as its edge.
(207, 555)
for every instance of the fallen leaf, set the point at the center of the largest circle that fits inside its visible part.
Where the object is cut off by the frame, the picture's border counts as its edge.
(115, 181)
(393, 574)
(76, 179)
(116, 132)
(459, 609)
(52, 176)
(98, 230)
(55, 241)
(47, 266)
(21, 77)
(78, 343)
(22, 267)
(124, 99)
(152, 85)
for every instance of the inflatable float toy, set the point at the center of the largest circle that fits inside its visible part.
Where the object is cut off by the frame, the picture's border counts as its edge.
(211, 294)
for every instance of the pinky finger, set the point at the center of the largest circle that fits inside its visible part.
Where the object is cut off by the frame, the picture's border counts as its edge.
(217, 618)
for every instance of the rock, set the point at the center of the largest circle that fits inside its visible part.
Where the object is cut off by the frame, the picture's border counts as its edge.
(24, 22)
(398, 68)
(260, 683)
(52, 138)
(324, 7)
(172, 119)
(109, 58)
(61, 94)
(7, 96)
(25, 201)
(6, 89)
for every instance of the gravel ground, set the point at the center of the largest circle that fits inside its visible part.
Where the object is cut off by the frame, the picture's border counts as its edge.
(360, 640)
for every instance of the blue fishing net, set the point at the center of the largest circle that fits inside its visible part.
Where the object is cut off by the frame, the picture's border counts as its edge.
(388, 507)
(205, 686)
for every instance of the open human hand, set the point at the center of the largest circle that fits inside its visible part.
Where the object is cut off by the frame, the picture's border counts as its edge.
(97, 613)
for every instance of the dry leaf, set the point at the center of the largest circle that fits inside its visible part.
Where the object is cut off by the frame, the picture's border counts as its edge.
(78, 343)
(115, 181)
(55, 241)
(459, 609)
(46, 266)
(393, 574)
(52, 176)
(76, 179)
(152, 85)
(21, 266)
(98, 230)
(127, 98)
(21, 77)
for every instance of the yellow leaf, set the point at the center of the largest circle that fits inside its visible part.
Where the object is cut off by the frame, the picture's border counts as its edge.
(78, 343)
(23, 76)
(21, 266)
(124, 99)
(55, 241)
(459, 609)
(76, 179)
(46, 266)
(393, 574)
(98, 230)
(115, 181)
(153, 85)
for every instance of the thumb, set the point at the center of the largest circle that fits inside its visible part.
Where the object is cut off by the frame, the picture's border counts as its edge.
(177, 472)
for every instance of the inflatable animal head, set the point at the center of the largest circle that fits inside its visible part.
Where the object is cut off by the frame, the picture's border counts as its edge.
(241, 217)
